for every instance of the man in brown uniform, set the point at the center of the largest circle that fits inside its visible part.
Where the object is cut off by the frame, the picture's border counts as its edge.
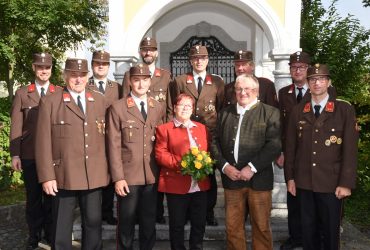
(243, 61)
(160, 79)
(130, 129)
(71, 158)
(22, 145)
(111, 91)
(208, 92)
(321, 160)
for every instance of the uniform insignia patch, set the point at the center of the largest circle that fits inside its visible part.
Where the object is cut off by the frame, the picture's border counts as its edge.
(307, 108)
(327, 142)
(101, 126)
(291, 89)
(89, 97)
(130, 102)
(66, 97)
(189, 78)
(51, 88)
(31, 88)
(157, 73)
(151, 103)
(329, 107)
(208, 80)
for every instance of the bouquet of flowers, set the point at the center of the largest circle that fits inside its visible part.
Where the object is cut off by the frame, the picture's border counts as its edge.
(197, 163)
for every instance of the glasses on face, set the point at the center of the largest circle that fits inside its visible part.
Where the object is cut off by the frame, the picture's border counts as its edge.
(199, 58)
(315, 79)
(181, 105)
(240, 90)
(300, 68)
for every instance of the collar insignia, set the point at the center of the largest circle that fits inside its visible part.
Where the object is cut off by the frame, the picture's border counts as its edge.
(31, 88)
(91, 82)
(51, 88)
(208, 80)
(329, 107)
(189, 78)
(157, 73)
(110, 84)
(291, 88)
(130, 102)
(66, 97)
(151, 103)
(89, 97)
(307, 108)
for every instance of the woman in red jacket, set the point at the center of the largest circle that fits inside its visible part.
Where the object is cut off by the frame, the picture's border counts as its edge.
(184, 194)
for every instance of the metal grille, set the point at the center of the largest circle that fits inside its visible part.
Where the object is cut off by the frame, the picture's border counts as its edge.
(220, 58)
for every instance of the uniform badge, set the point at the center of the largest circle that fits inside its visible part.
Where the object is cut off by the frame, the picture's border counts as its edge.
(291, 89)
(130, 102)
(307, 108)
(156, 98)
(210, 108)
(333, 139)
(329, 107)
(153, 138)
(339, 141)
(189, 78)
(208, 80)
(150, 102)
(31, 88)
(110, 84)
(51, 88)
(66, 97)
(101, 127)
(157, 73)
(89, 97)
(91, 82)
(327, 142)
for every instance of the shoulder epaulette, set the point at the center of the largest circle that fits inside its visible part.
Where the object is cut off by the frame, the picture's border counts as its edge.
(218, 76)
(342, 100)
(96, 91)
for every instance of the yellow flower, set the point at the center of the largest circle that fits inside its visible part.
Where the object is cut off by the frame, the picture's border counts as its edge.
(184, 164)
(197, 165)
(200, 157)
(194, 150)
(208, 160)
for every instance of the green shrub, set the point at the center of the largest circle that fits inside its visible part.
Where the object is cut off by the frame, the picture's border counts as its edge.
(8, 177)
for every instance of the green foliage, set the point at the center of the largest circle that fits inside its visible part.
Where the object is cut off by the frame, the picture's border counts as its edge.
(8, 177)
(28, 26)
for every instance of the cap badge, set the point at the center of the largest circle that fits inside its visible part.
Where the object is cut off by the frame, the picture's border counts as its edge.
(43, 57)
(79, 62)
(197, 48)
(317, 66)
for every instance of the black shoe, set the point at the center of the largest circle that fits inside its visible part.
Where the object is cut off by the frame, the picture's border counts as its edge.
(111, 220)
(161, 220)
(211, 221)
(32, 244)
(290, 244)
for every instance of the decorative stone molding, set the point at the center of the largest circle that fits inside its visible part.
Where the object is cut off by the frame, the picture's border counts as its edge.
(122, 64)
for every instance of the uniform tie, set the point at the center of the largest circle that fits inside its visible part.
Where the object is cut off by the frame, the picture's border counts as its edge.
(42, 91)
(317, 110)
(101, 89)
(300, 94)
(199, 85)
(79, 103)
(143, 112)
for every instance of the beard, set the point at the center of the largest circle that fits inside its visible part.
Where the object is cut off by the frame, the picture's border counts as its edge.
(149, 59)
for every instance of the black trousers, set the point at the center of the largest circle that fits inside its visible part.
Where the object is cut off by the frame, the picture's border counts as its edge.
(179, 206)
(107, 201)
(160, 206)
(142, 201)
(294, 218)
(64, 204)
(38, 204)
(321, 216)
(212, 195)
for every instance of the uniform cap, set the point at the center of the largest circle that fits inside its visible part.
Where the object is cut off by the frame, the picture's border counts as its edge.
(318, 70)
(148, 42)
(75, 64)
(300, 57)
(198, 50)
(101, 56)
(243, 56)
(140, 70)
(44, 59)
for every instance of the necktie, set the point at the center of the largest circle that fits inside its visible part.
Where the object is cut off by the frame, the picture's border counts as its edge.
(317, 110)
(300, 94)
(101, 89)
(199, 84)
(79, 103)
(143, 110)
(42, 91)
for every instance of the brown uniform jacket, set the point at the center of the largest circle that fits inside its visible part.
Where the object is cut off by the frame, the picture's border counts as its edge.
(207, 104)
(24, 115)
(321, 154)
(158, 88)
(287, 100)
(70, 144)
(113, 90)
(131, 141)
(267, 93)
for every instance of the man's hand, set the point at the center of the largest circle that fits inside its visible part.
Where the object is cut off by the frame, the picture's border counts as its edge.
(50, 187)
(232, 172)
(246, 173)
(121, 188)
(342, 192)
(280, 161)
(292, 188)
(16, 163)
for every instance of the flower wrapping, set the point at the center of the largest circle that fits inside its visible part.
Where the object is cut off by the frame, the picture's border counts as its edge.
(197, 163)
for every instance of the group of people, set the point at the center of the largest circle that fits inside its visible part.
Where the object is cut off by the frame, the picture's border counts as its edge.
(84, 142)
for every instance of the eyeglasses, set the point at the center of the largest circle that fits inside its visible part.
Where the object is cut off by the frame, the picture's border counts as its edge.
(315, 79)
(189, 106)
(240, 90)
(300, 68)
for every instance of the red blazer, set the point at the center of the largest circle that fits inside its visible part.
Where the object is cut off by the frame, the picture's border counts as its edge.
(171, 144)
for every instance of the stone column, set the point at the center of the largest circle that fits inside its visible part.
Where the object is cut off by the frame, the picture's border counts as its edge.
(122, 64)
